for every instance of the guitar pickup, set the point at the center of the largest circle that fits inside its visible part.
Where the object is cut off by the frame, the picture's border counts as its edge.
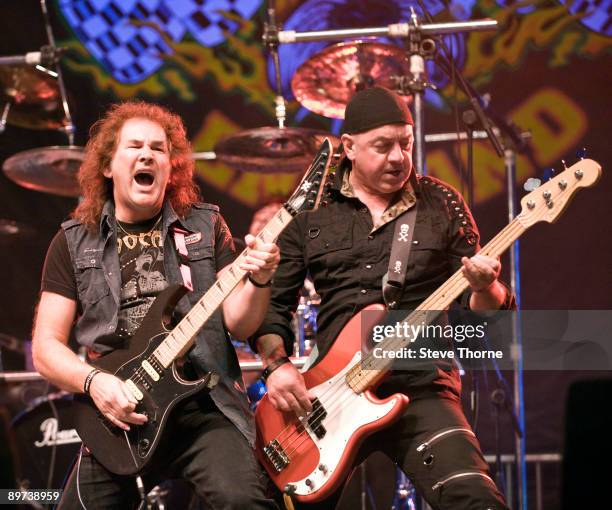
(148, 368)
(134, 389)
(276, 455)
(316, 417)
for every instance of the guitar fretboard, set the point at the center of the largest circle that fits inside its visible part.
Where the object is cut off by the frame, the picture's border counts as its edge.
(182, 337)
(370, 369)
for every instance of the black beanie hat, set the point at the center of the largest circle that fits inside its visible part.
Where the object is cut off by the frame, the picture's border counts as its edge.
(372, 108)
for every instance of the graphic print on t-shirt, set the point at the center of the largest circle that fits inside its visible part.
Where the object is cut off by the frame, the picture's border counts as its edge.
(141, 257)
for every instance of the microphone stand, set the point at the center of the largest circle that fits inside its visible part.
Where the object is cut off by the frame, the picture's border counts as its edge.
(502, 402)
(469, 119)
(271, 41)
(509, 156)
(47, 56)
(69, 127)
(419, 49)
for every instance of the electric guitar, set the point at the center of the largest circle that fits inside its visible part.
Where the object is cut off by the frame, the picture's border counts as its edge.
(148, 365)
(310, 457)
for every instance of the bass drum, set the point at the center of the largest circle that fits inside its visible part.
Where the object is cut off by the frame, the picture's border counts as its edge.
(46, 442)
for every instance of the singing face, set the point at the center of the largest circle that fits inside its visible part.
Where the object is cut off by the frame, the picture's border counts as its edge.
(381, 158)
(140, 170)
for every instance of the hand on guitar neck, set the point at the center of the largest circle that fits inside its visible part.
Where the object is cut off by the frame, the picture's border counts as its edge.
(285, 385)
(482, 272)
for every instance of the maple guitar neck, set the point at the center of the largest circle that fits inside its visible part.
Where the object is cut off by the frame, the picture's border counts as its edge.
(545, 203)
(182, 337)
(370, 370)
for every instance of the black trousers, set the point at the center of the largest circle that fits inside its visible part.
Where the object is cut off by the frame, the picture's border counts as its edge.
(435, 447)
(199, 445)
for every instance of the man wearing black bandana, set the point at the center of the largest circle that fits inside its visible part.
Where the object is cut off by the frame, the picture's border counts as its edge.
(345, 247)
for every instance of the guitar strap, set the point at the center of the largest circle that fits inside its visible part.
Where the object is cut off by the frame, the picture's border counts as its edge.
(393, 280)
(183, 254)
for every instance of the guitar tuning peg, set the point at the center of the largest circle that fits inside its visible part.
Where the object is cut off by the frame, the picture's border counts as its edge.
(581, 153)
(531, 184)
(548, 174)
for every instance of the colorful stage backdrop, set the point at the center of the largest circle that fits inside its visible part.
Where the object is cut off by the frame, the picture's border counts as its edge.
(546, 69)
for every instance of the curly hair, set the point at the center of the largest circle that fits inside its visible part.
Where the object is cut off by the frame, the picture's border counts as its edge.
(96, 189)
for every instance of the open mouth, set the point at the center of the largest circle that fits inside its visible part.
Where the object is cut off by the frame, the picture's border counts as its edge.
(144, 178)
(395, 173)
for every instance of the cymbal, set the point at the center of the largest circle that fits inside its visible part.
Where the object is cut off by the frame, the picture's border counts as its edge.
(34, 96)
(271, 149)
(328, 80)
(47, 169)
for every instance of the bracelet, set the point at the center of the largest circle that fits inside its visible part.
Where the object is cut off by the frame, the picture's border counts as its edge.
(260, 285)
(88, 380)
(278, 362)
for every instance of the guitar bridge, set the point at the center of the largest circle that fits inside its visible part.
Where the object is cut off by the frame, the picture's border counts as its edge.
(276, 455)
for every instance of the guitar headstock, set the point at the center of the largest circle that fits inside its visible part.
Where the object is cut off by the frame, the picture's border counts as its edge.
(548, 201)
(307, 196)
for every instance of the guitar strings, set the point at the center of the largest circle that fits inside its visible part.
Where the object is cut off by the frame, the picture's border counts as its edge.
(456, 283)
(495, 247)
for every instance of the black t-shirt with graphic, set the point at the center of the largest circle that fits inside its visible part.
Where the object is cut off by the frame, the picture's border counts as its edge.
(141, 259)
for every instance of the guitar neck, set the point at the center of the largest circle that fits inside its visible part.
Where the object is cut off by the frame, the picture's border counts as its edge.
(371, 370)
(182, 337)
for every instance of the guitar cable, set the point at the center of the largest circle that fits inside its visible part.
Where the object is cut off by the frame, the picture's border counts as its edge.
(139, 482)
(78, 482)
(54, 412)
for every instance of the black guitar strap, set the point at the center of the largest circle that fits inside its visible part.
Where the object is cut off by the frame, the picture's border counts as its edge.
(393, 280)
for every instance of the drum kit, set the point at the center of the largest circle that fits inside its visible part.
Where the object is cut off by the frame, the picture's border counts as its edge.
(35, 98)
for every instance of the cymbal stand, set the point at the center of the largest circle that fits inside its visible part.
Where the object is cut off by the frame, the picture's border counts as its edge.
(270, 39)
(469, 119)
(69, 127)
(5, 112)
(419, 49)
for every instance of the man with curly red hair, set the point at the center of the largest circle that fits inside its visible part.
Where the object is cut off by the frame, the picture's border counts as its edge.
(102, 272)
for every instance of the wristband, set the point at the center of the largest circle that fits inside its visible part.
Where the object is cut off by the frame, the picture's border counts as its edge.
(88, 380)
(260, 285)
(273, 366)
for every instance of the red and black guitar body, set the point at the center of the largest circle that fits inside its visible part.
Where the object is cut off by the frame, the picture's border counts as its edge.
(311, 458)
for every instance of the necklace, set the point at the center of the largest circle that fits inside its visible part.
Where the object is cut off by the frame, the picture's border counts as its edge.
(146, 233)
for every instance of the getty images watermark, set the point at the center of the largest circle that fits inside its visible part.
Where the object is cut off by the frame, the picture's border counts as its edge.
(550, 339)
(396, 341)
